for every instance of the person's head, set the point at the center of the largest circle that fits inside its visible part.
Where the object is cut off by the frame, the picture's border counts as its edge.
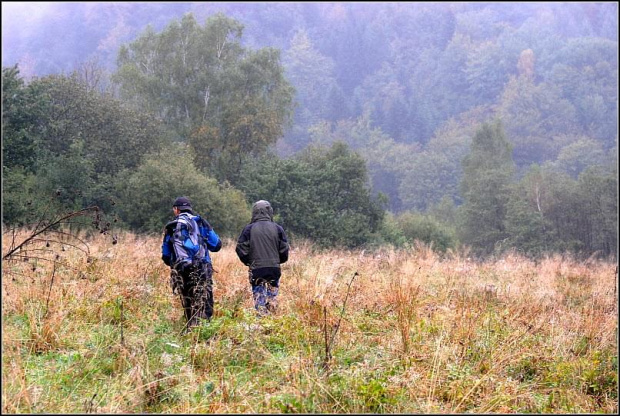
(262, 210)
(181, 204)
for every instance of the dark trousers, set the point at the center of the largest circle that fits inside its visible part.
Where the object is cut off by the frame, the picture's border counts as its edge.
(196, 291)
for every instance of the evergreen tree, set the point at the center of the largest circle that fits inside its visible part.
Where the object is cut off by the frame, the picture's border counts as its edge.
(487, 174)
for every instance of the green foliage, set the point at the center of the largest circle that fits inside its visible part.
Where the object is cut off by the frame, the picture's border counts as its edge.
(599, 188)
(322, 195)
(375, 396)
(426, 229)
(73, 139)
(70, 175)
(579, 155)
(21, 109)
(537, 219)
(146, 195)
(20, 203)
(402, 85)
(114, 137)
(532, 114)
(586, 71)
(430, 177)
(345, 214)
(486, 71)
(390, 232)
(557, 191)
(226, 100)
(312, 75)
(526, 222)
(487, 174)
(384, 99)
(445, 211)
(386, 159)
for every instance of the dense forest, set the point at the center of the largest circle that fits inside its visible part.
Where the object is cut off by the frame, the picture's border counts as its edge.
(492, 126)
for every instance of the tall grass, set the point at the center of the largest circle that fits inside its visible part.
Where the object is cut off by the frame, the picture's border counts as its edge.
(419, 333)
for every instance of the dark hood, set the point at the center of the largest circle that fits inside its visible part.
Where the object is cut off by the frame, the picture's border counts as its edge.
(262, 211)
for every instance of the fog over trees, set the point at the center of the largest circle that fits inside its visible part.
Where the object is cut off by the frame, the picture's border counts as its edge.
(493, 125)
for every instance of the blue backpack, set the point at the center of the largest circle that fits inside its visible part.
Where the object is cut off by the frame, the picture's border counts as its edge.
(191, 244)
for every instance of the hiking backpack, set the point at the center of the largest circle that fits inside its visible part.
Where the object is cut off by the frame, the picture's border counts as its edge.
(190, 245)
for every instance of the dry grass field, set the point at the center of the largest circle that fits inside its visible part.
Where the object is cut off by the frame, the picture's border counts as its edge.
(355, 332)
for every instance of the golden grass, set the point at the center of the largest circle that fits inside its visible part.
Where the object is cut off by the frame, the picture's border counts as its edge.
(420, 333)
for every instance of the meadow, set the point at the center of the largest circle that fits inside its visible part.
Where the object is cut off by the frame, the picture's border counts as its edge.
(383, 331)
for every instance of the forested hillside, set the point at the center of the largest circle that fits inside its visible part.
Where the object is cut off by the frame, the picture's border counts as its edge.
(489, 125)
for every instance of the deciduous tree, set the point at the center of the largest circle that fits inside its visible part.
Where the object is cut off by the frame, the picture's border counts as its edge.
(225, 100)
(322, 194)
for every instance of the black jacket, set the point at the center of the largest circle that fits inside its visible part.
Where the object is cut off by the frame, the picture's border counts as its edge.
(262, 242)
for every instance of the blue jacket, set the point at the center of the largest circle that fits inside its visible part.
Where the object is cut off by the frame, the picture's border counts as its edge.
(188, 238)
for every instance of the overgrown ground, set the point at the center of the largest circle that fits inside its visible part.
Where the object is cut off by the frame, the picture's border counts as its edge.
(410, 333)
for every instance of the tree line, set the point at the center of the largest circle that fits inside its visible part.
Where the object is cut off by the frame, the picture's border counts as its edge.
(193, 111)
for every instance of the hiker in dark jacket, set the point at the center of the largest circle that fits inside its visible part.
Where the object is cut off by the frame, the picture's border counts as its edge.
(185, 248)
(262, 246)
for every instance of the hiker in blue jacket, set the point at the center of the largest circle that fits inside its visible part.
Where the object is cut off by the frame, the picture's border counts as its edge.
(185, 248)
(262, 246)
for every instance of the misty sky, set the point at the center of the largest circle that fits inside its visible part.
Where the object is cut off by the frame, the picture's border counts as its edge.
(22, 15)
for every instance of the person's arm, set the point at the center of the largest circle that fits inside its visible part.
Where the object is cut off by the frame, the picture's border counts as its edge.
(243, 246)
(283, 245)
(212, 239)
(166, 251)
(166, 245)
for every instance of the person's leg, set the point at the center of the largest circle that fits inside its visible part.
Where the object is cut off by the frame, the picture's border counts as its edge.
(258, 294)
(186, 290)
(194, 285)
(265, 285)
(176, 281)
(271, 292)
(203, 296)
